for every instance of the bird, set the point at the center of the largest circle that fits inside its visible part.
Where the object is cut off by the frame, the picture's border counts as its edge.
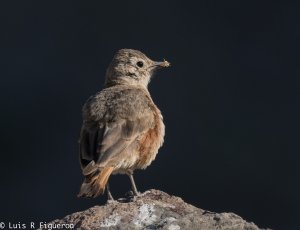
(122, 128)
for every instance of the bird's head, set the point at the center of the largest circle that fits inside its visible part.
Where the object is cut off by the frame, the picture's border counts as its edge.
(131, 67)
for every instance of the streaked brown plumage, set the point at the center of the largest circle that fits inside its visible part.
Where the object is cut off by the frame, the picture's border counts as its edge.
(122, 127)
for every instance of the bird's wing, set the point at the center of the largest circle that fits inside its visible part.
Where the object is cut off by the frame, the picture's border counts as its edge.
(100, 143)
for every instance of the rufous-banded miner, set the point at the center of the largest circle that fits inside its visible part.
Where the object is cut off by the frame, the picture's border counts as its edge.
(122, 128)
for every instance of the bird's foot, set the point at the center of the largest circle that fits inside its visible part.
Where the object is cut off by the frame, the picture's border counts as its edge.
(111, 201)
(132, 195)
(135, 193)
(110, 197)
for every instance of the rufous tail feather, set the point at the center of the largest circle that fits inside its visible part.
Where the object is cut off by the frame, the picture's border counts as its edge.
(94, 184)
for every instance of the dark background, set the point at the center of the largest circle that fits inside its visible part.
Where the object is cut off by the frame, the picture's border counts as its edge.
(230, 102)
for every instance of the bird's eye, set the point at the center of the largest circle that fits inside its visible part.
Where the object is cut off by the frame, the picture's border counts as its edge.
(140, 64)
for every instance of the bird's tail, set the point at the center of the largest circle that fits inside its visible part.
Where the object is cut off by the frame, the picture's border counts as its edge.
(94, 184)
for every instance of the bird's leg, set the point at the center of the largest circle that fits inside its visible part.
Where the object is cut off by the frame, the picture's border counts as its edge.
(109, 196)
(133, 186)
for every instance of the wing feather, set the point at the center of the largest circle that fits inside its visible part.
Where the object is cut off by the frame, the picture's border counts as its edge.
(111, 124)
(102, 144)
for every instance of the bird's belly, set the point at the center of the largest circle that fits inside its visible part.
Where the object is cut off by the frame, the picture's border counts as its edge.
(143, 150)
(149, 144)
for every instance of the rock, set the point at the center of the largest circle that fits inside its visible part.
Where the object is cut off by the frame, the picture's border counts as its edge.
(152, 210)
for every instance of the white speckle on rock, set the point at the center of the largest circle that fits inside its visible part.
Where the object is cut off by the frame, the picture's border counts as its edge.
(165, 205)
(145, 215)
(170, 219)
(174, 227)
(112, 220)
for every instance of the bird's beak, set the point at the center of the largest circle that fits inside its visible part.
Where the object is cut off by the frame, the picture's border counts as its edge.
(161, 64)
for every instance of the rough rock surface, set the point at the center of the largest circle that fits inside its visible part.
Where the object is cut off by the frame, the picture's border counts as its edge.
(153, 210)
